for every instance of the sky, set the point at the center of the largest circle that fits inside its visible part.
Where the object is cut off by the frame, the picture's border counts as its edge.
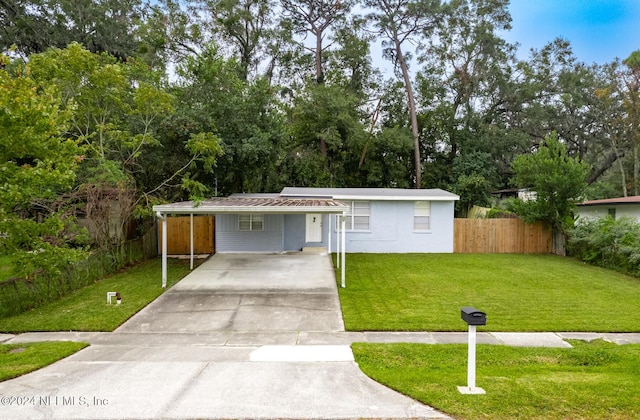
(599, 30)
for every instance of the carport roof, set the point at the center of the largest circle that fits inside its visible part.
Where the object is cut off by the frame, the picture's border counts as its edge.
(254, 203)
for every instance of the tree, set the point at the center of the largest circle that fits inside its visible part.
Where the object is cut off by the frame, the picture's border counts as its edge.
(37, 169)
(315, 17)
(558, 181)
(402, 21)
(100, 25)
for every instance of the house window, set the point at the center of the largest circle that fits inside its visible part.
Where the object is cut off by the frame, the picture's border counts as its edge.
(249, 222)
(358, 218)
(422, 216)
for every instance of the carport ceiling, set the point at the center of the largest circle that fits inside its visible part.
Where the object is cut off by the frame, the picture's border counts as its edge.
(254, 205)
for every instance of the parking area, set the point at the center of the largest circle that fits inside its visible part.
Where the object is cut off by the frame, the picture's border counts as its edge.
(248, 293)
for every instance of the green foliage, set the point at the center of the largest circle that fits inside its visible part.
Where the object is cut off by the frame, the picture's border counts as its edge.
(558, 181)
(20, 359)
(594, 380)
(37, 166)
(608, 243)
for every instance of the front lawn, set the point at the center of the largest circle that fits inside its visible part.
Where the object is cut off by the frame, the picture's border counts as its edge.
(86, 309)
(424, 292)
(595, 380)
(18, 359)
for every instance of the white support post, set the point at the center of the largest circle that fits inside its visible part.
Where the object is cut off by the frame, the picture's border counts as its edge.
(191, 239)
(471, 366)
(338, 240)
(164, 249)
(344, 228)
(329, 235)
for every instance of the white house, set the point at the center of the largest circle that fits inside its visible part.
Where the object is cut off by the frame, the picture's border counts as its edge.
(381, 220)
(614, 207)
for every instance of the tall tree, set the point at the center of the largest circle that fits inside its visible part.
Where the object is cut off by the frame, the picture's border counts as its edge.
(246, 25)
(316, 17)
(401, 22)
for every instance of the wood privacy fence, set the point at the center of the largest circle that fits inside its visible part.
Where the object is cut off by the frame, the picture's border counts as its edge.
(501, 236)
(178, 235)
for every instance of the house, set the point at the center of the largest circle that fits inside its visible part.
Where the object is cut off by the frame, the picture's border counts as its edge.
(378, 220)
(614, 207)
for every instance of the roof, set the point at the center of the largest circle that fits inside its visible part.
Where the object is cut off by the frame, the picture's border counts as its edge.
(392, 194)
(254, 203)
(620, 200)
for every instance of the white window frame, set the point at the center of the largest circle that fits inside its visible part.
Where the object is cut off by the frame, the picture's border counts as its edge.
(422, 211)
(355, 213)
(255, 222)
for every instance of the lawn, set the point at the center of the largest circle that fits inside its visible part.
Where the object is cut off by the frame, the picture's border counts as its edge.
(424, 292)
(87, 310)
(18, 359)
(595, 380)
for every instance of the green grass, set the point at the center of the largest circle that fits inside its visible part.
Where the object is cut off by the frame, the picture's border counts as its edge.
(424, 292)
(18, 359)
(87, 310)
(595, 380)
(5, 267)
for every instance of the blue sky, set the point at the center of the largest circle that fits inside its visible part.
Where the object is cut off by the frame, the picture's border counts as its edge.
(599, 30)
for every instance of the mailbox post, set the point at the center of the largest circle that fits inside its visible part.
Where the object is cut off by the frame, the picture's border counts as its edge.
(473, 318)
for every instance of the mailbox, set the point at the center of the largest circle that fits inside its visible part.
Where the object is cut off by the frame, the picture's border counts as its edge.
(472, 316)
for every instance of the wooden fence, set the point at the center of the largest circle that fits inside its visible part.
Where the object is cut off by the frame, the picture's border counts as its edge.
(501, 236)
(178, 235)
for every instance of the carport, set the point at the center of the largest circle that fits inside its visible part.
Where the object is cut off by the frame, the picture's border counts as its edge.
(259, 204)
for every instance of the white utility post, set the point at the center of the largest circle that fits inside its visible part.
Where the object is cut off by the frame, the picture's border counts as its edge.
(473, 317)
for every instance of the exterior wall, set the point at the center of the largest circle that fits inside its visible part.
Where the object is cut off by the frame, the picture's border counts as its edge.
(391, 230)
(597, 211)
(230, 239)
(295, 230)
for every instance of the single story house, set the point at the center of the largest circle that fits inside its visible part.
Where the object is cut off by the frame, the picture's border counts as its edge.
(613, 207)
(378, 220)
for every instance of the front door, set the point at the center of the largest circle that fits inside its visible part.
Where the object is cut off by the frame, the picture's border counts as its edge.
(313, 228)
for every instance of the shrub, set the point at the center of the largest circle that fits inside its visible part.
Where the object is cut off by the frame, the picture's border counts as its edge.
(608, 243)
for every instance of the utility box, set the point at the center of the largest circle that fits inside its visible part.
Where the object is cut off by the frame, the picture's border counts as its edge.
(473, 316)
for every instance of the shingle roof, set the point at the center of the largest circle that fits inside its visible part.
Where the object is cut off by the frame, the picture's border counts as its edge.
(397, 194)
(620, 200)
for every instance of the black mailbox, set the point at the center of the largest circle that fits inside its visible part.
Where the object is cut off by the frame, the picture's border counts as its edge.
(472, 316)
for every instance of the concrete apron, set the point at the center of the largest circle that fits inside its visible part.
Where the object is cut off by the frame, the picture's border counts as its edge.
(222, 343)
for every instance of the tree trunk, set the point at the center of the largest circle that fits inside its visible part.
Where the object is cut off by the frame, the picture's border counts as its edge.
(319, 72)
(412, 112)
(559, 242)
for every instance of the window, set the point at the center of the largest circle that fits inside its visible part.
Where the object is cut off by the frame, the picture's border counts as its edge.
(359, 216)
(422, 216)
(248, 222)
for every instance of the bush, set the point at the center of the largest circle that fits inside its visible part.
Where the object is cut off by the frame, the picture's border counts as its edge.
(608, 243)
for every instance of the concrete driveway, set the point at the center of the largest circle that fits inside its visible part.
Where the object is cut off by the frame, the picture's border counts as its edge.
(230, 340)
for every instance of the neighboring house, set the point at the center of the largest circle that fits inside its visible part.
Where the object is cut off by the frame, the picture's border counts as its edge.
(524, 194)
(614, 207)
(380, 220)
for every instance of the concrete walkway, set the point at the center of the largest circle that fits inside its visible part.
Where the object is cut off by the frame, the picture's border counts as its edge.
(243, 336)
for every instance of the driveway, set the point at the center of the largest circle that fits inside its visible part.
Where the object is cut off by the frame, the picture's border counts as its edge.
(230, 340)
